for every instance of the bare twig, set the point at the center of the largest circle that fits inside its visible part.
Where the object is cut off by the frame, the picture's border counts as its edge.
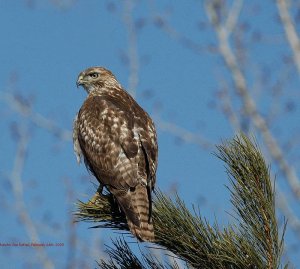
(249, 105)
(160, 21)
(183, 134)
(36, 118)
(22, 211)
(287, 211)
(72, 236)
(233, 15)
(290, 30)
(228, 109)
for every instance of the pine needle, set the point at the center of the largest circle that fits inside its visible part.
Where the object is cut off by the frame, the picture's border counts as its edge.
(252, 242)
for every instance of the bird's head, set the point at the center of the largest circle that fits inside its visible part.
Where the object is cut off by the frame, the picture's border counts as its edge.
(96, 78)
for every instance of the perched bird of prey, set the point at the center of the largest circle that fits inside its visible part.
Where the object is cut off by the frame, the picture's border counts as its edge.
(117, 140)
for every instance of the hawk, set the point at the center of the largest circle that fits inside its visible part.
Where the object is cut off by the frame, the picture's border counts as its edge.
(117, 140)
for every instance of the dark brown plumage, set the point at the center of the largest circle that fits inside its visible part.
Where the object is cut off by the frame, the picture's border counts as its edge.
(117, 140)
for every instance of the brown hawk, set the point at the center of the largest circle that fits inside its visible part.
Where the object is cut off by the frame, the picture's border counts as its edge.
(117, 140)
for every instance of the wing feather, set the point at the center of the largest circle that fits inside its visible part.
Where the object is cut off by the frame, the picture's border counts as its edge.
(117, 139)
(107, 140)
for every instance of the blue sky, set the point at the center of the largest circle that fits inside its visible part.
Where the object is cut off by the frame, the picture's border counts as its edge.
(43, 48)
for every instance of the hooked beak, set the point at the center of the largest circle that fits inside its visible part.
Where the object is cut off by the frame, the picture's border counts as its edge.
(79, 81)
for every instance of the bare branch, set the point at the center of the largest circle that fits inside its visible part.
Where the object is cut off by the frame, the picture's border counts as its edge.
(183, 134)
(36, 118)
(72, 232)
(290, 30)
(17, 186)
(228, 109)
(287, 211)
(160, 21)
(249, 105)
(233, 15)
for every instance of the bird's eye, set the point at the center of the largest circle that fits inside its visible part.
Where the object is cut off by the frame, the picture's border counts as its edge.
(93, 75)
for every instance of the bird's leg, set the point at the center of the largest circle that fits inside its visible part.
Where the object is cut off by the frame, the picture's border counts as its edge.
(96, 195)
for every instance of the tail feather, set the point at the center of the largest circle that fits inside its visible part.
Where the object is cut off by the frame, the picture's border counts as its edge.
(140, 201)
(136, 206)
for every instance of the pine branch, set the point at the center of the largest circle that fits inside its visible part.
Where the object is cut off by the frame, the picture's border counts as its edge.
(121, 256)
(253, 197)
(253, 242)
(105, 211)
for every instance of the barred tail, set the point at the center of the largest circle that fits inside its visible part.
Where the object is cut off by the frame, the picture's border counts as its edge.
(136, 205)
(143, 229)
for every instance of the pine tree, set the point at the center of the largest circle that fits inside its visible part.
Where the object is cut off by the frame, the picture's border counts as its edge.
(253, 241)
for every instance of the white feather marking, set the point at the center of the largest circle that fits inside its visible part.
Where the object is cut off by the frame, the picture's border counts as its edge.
(76, 145)
(122, 154)
(136, 134)
(144, 180)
